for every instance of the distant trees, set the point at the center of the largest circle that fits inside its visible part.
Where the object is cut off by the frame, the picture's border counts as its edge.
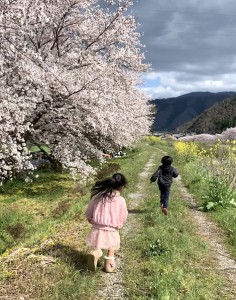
(204, 137)
(69, 71)
(221, 125)
(228, 134)
(217, 118)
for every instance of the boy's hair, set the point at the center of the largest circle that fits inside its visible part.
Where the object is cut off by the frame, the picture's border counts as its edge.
(166, 160)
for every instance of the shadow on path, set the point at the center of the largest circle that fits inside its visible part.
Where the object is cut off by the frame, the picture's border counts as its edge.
(77, 259)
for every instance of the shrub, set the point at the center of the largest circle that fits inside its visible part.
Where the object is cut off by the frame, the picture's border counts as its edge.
(187, 151)
(153, 140)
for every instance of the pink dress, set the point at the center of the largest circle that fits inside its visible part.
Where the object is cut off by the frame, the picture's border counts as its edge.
(106, 218)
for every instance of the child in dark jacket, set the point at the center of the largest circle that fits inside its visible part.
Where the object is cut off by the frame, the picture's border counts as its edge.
(164, 176)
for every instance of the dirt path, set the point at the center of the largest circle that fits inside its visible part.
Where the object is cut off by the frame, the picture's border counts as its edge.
(213, 236)
(114, 288)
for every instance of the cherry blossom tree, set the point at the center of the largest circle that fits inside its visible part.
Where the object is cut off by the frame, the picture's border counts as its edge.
(204, 137)
(69, 71)
(229, 134)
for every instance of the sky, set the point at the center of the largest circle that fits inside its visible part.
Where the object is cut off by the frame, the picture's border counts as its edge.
(190, 44)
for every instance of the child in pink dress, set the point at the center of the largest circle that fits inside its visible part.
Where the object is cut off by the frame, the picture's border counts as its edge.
(107, 212)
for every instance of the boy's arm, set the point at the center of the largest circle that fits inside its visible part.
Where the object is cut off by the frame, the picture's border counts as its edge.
(175, 173)
(155, 175)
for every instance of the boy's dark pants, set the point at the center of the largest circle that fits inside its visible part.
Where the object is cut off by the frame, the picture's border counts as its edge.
(164, 195)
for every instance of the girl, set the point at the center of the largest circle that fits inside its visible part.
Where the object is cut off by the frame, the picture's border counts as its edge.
(107, 212)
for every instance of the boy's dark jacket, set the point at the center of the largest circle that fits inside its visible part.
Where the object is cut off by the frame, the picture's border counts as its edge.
(165, 175)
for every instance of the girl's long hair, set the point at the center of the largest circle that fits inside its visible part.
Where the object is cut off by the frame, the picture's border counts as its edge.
(104, 189)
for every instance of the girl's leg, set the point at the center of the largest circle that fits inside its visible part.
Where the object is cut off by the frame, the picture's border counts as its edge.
(93, 258)
(110, 252)
(110, 264)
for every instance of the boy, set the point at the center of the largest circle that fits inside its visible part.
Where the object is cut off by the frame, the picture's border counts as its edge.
(164, 174)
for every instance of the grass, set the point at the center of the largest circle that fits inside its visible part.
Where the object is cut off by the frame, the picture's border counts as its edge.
(48, 214)
(37, 149)
(225, 217)
(176, 272)
(168, 258)
(165, 257)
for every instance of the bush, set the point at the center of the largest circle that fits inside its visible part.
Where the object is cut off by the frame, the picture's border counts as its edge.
(152, 140)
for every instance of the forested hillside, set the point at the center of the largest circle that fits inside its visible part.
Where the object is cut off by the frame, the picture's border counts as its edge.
(217, 118)
(171, 113)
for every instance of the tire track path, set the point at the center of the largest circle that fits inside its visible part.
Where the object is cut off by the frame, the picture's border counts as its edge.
(114, 287)
(213, 236)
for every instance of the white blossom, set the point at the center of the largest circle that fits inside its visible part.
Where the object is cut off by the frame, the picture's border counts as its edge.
(228, 134)
(69, 72)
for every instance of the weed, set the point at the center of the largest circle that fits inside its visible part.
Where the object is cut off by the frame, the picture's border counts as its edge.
(81, 188)
(211, 179)
(62, 207)
(17, 230)
(156, 249)
(218, 194)
(107, 169)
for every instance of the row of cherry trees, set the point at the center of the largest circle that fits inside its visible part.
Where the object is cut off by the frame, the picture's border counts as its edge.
(228, 134)
(69, 71)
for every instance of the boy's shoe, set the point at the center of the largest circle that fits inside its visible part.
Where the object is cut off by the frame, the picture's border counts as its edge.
(164, 210)
(93, 259)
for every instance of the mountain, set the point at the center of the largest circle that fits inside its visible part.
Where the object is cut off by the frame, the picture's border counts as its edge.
(215, 119)
(173, 112)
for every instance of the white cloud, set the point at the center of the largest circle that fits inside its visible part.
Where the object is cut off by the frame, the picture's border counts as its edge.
(173, 84)
(151, 76)
(190, 44)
